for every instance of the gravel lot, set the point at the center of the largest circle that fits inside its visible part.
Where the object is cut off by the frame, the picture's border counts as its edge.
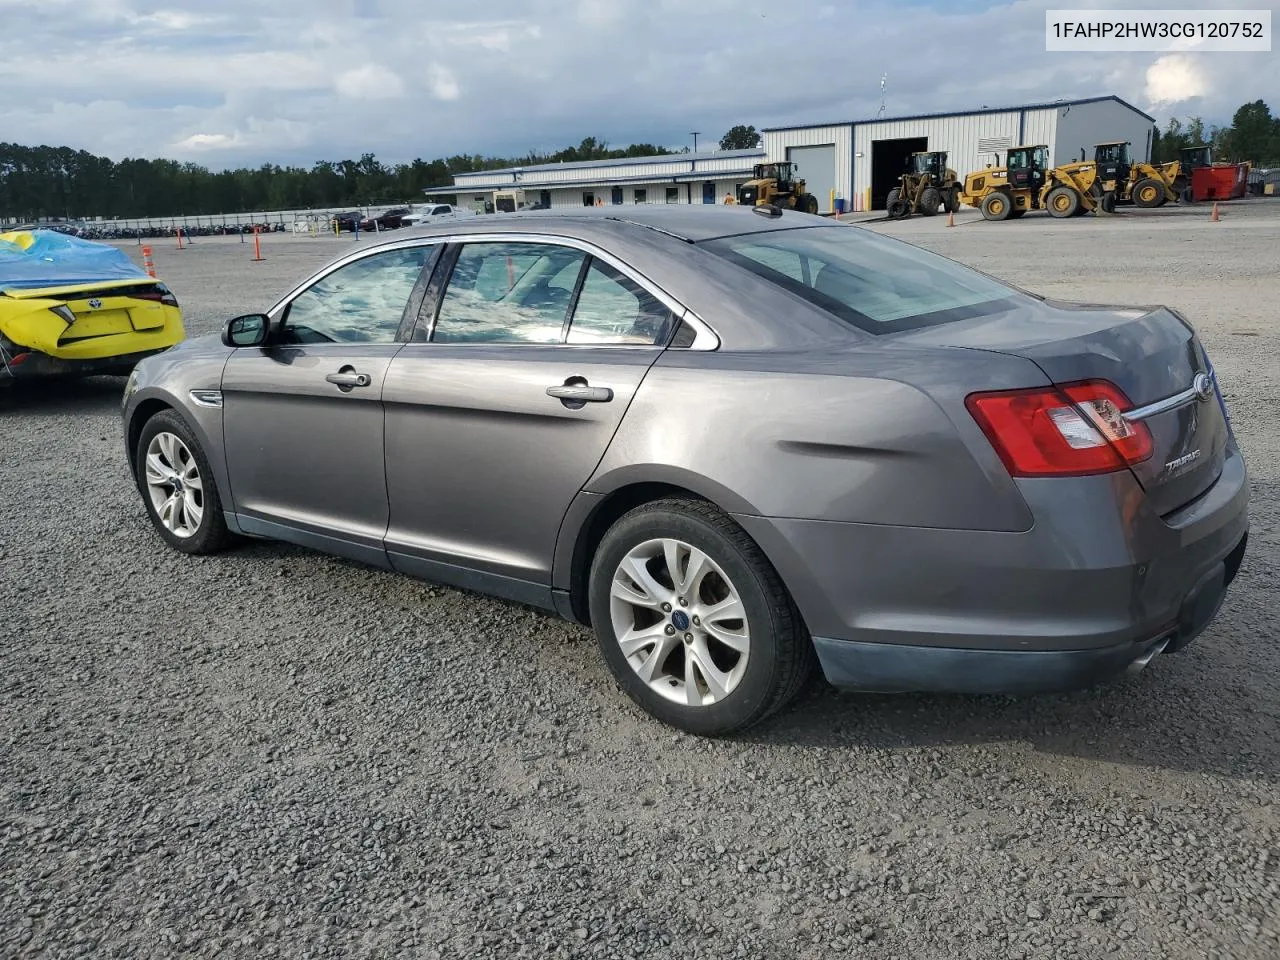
(273, 753)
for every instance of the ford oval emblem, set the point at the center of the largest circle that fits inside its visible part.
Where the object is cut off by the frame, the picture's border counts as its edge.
(94, 303)
(1203, 386)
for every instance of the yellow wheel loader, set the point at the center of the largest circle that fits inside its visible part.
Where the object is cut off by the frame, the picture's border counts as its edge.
(1027, 182)
(1141, 183)
(775, 183)
(927, 186)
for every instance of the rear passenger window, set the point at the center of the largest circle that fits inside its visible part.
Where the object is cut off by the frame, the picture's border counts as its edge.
(613, 309)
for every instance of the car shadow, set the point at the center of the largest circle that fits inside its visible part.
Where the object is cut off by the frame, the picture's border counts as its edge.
(56, 397)
(1171, 717)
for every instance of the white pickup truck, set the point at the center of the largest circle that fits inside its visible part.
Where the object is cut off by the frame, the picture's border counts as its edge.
(432, 212)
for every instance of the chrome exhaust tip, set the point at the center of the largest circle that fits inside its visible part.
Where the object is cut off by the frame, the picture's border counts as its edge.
(1140, 664)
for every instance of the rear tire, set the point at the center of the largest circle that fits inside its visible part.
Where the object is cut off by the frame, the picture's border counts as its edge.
(1063, 202)
(808, 203)
(1148, 193)
(740, 669)
(997, 205)
(1108, 202)
(177, 487)
(930, 201)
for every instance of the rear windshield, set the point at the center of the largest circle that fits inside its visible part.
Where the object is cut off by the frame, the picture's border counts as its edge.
(877, 283)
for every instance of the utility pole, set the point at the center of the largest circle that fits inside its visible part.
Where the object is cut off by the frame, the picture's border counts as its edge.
(695, 140)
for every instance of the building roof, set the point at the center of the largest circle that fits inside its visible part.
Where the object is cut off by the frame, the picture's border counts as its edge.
(484, 180)
(966, 113)
(619, 162)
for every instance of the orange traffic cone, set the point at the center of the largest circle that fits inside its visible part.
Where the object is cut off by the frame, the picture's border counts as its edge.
(147, 262)
(951, 219)
(1215, 211)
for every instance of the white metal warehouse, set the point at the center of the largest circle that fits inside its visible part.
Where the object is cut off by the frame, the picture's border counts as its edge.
(861, 160)
(858, 161)
(703, 177)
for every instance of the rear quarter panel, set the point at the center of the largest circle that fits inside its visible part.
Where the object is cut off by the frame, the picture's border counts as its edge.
(855, 435)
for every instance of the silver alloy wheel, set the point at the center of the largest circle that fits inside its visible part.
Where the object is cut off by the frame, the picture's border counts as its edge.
(680, 622)
(174, 484)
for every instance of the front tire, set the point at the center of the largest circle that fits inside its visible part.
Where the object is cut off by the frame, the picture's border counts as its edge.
(996, 205)
(930, 201)
(1148, 193)
(693, 621)
(177, 486)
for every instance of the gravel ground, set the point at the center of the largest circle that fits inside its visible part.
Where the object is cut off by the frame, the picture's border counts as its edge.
(274, 753)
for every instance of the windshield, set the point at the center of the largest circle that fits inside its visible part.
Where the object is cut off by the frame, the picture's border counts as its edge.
(877, 283)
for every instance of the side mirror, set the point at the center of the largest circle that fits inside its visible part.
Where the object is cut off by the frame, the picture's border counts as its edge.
(249, 330)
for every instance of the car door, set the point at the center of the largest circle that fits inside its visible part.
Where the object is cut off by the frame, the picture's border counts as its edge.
(302, 416)
(533, 351)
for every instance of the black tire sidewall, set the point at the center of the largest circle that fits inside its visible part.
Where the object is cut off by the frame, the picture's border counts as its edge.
(769, 625)
(212, 530)
(986, 201)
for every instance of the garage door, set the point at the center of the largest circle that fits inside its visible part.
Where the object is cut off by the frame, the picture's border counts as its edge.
(817, 167)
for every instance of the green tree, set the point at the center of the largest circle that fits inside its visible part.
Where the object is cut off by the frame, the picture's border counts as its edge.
(740, 137)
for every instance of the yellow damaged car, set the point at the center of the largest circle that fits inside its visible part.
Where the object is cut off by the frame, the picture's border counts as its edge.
(72, 307)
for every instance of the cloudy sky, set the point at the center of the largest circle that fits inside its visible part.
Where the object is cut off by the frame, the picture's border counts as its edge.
(232, 82)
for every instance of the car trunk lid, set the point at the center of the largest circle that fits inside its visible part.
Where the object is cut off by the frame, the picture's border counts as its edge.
(1150, 354)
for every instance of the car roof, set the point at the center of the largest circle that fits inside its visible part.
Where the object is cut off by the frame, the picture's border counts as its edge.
(689, 222)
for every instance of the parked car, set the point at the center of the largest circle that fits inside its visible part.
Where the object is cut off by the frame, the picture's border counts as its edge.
(434, 212)
(73, 307)
(733, 441)
(347, 222)
(387, 220)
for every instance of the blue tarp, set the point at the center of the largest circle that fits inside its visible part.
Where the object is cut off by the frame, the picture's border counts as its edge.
(47, 258)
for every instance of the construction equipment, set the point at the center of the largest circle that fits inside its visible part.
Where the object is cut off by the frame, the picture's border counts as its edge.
(775, 183)
(1027, 182)
(1142, 184)
(927, 185)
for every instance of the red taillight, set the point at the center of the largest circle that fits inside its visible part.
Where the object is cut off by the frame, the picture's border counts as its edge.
(1073, 430)
(161, 293)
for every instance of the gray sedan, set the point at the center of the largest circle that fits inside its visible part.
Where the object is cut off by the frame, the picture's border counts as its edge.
(737, 443)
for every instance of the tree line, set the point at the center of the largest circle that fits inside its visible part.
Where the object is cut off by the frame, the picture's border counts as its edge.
(44, 182)
(1254, 135)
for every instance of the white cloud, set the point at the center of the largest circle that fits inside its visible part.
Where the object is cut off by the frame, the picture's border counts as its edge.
(370, 82)
(1174, 79)
(443, 84)
(208, 141)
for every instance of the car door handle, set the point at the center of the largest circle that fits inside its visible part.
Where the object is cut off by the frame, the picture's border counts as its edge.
(348, 379)
(580, 392)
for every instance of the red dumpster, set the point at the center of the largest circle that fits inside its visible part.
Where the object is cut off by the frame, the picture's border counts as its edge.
(1227, 181)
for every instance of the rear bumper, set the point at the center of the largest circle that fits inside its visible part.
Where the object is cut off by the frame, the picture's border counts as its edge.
(35, 365)
(1056, 607)
(896, 667)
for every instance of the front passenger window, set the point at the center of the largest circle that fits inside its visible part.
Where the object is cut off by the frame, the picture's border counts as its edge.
(361, 302)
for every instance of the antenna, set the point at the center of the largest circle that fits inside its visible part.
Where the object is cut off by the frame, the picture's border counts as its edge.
(884, 77)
